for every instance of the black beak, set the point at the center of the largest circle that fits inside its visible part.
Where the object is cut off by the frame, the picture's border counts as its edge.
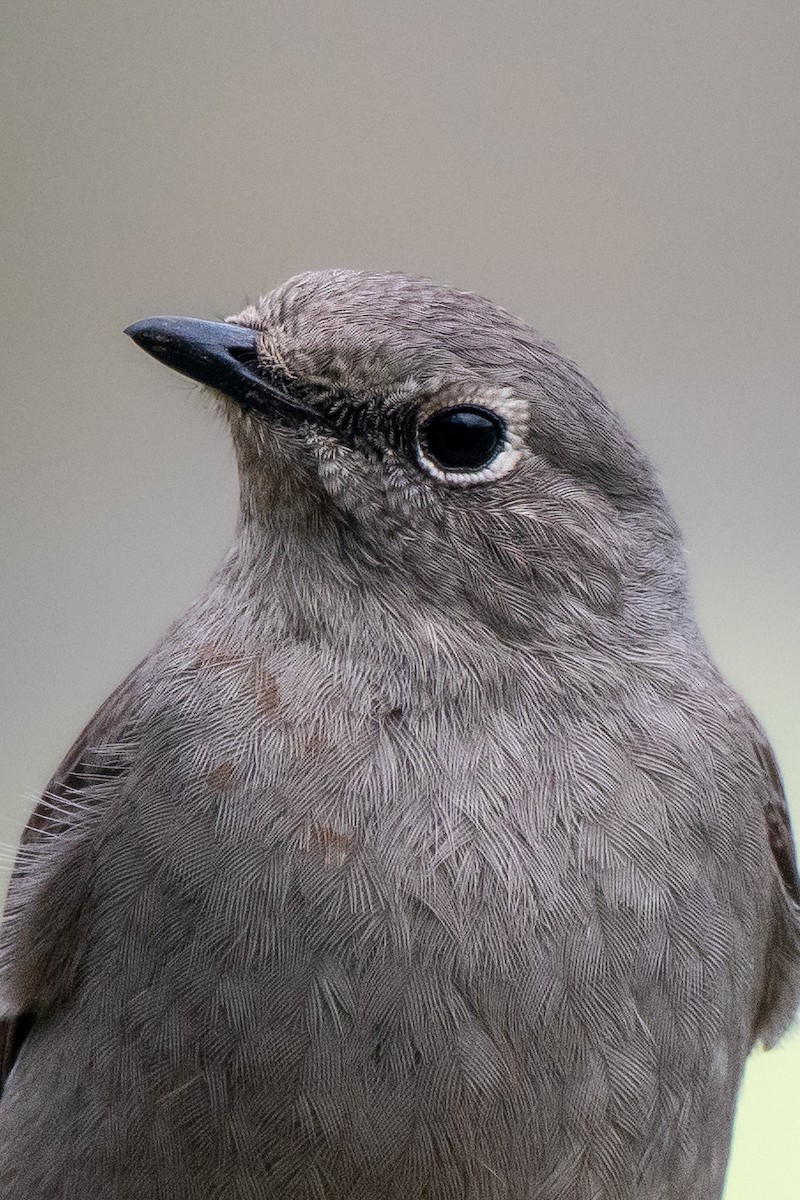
(221, 356)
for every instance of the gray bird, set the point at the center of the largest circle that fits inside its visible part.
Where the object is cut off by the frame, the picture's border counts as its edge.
(428, 855)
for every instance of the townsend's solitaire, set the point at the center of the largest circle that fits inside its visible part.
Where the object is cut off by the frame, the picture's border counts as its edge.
(428, 856)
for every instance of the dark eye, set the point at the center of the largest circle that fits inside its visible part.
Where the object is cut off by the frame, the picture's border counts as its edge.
(462, 439)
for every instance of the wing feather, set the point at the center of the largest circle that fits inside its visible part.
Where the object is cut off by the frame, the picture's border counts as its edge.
(780, 994)
(87, 761)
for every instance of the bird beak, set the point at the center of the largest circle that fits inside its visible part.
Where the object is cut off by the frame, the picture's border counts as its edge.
(220, 356)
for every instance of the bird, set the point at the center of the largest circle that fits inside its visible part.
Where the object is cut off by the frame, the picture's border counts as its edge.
(428, 853)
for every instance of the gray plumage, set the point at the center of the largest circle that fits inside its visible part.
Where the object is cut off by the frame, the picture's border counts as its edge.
(428, 855)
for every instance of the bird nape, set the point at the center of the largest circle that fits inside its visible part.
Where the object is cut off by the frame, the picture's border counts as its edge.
(428, 853)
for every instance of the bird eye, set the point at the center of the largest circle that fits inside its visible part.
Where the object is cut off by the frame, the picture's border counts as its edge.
(462, 439)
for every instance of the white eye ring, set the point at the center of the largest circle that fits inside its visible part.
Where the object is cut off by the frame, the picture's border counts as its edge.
(509, 411)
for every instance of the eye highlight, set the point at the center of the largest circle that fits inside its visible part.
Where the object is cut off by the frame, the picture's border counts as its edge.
(466, 438)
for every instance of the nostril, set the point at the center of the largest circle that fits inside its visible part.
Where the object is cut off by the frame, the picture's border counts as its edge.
(247, 355)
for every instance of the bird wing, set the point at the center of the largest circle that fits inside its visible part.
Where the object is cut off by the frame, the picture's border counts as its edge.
(781, 991)
(779, 827)
(89, 760)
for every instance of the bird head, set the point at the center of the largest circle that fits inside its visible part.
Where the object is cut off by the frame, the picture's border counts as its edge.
(415, 442)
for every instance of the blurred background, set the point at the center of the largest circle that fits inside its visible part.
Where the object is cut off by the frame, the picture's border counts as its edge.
(624, 176)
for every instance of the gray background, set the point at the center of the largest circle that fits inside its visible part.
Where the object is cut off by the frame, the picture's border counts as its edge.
(622, 175)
